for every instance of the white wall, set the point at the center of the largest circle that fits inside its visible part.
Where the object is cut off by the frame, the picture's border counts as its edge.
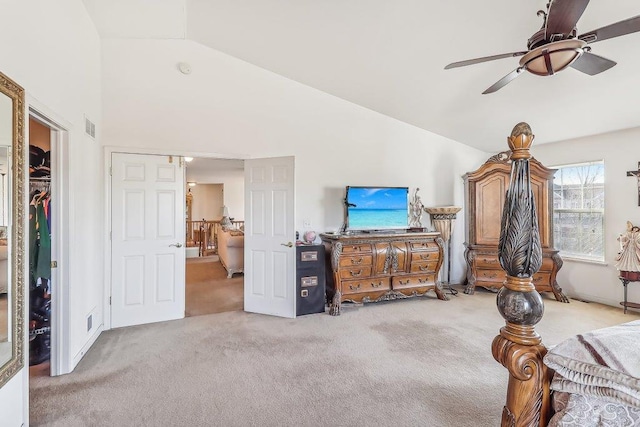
(232, 181)
(207, 201)
(53, 51)
(621, 153)
(233, 108)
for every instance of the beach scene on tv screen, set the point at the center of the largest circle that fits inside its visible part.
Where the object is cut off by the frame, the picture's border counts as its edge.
(377, 208)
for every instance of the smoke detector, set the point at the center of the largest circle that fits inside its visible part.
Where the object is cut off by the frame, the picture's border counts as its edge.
(184, 68)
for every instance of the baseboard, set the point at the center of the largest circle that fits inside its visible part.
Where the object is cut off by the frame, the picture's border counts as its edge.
(78, 357)
(594, 298)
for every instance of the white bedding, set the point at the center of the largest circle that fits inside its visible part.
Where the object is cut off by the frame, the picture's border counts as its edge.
(578, 410)
(597, 378)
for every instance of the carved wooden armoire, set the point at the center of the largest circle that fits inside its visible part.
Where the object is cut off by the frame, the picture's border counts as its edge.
(485, 191)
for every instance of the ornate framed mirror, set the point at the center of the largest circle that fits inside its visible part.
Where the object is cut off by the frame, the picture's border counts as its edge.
(12, 229)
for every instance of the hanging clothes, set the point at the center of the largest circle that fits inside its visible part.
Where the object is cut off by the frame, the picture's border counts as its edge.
(39, 237)
(33, 246)
(43, 265)
(39, 273)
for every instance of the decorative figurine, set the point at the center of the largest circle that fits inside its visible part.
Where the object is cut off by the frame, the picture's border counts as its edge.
(416, 208)
(309, 237)
(628, 259)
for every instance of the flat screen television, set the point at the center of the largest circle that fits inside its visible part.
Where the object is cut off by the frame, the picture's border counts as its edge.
(377, 208)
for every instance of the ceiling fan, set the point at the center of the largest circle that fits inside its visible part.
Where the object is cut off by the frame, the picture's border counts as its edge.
(556, 46)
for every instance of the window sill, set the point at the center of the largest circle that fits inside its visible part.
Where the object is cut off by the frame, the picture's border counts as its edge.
(583, 260)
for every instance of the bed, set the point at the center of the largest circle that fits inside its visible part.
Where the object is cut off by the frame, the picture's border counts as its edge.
(592, 379)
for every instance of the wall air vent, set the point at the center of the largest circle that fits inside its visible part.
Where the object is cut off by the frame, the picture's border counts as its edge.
(89, 128)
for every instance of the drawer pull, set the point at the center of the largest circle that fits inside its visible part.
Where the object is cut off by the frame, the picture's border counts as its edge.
(421, 280)
(425, 256)
(490, 275)
(423, 267)
(309, 256)
(354, 288)
(537, 279)
(373, 285)
(356, 261)
(309, 281)
(355, 273)
(404, 283)
(490, 260)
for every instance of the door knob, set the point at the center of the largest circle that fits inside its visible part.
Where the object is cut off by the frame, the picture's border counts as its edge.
(177, 245)
(288, 244)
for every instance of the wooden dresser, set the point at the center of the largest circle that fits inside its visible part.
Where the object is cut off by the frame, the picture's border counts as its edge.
(381, 267)
(485, 191)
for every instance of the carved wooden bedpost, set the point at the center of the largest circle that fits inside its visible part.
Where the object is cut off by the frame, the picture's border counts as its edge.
(519, 347)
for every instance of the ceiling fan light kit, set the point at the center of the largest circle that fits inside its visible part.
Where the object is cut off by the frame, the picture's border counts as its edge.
(556, 46)
(550, 58)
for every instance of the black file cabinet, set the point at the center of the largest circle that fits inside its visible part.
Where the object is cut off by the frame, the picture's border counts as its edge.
(310, 279)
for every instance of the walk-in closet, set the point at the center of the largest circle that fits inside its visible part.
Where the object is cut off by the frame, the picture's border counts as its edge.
(39, 245)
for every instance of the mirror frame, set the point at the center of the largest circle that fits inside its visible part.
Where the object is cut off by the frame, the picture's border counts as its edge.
(17, 227)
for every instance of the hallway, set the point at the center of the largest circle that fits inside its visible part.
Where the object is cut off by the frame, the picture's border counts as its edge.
(208, 290)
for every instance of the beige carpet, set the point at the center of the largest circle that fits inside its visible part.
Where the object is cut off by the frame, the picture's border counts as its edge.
(208, 290)
(403, 363)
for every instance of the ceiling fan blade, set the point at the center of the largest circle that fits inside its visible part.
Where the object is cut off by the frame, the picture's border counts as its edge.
(592, 64)
(483, 59)
(563, 16)
(617, 29)
(504, 81)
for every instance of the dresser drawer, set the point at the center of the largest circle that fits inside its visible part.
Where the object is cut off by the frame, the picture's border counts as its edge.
(547, 264)
(356, 260)
(487, 261)
(423, 246)
(369, 285)
(491, 275)
(402, 282)
(491, 261)
(423, 266)
(354, 249)
(541, 280)
(424, 256)
(355, 272)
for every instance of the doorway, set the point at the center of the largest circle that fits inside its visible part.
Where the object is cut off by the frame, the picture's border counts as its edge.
(40, 216)
(269, 282)
(214, 236)
(47, 254)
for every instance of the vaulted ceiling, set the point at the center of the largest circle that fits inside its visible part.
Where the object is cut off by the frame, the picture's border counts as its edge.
(390, 57)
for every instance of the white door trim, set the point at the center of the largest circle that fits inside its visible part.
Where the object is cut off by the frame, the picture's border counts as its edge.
(61, 358)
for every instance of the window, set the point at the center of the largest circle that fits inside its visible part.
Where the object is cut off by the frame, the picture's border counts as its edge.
(578, 210)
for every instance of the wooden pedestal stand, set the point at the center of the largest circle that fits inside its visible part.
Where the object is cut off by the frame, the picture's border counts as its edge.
(626, 277)
(443, 219)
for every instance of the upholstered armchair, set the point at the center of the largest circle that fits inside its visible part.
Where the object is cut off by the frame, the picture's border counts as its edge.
(231, 250)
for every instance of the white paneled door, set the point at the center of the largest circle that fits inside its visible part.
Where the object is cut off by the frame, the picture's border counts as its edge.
(147, 239)
(269, 282)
